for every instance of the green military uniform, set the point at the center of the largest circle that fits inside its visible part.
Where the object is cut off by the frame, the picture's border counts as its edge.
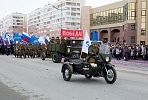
(35, 50)
(63, 41)
(39, 50)
(92, 50)
(18, 50)
(26, 49)
(22, 51)
(15, 51)
(44, 48)
(31, 51)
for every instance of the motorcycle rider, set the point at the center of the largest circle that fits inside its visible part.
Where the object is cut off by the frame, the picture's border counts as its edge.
(93, 50)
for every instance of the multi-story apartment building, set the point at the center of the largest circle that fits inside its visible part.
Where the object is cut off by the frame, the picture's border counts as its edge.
(50, 19)
(15, 22)
(125, 20)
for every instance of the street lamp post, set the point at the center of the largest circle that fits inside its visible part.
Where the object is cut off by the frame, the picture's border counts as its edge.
(61, 16)
(61, 13)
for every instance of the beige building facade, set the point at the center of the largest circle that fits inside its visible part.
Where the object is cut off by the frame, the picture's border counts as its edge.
(50, 19)
(123, 21)
(14, 22)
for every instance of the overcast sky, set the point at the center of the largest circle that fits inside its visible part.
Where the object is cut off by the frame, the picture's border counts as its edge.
(26, 6)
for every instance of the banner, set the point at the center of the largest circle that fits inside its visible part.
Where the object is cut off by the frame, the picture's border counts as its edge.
(71, 33)
(94, 35)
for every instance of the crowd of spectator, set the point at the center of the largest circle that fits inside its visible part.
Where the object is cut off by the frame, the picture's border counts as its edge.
(128, 52)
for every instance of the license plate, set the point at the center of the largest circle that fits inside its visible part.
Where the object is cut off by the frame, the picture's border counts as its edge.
(85, 68)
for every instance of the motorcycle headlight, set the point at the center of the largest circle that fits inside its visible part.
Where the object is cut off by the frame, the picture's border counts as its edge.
(107, 59)
(93, 64)
(71, 63)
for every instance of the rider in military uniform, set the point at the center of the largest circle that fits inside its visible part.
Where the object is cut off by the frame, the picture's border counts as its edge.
(93, 50)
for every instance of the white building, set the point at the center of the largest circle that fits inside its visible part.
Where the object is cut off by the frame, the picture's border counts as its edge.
(15, 22)
(50, 19)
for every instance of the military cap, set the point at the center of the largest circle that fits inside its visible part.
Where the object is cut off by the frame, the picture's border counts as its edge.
(57, 37)
(95, 42)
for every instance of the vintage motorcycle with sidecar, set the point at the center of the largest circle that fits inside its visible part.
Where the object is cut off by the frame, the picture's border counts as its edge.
(101, 68)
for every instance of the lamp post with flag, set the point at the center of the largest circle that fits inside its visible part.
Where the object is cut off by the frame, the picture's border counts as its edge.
(61, 9)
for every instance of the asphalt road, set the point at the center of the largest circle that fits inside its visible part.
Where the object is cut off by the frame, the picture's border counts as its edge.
(35, 79)
(8, 94)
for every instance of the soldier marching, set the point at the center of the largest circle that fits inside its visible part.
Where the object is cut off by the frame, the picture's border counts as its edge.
(34, 51)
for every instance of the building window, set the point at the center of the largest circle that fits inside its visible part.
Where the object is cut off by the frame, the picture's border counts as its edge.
(143, 4)
(107, 17)
(132, 39)
(73, 9)
(132, 11)
(68, 3)
(125, 12)
(143, 13)
(133, 14)
(78, 4)
(143, 17)
(78, 9)
(143, 25)
(133, 26)
(78, 14)
(73, 14)
(143, 31)
(67, 13)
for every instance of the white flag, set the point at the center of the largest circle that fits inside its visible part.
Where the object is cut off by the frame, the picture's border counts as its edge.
(86, 43)
(41, 40)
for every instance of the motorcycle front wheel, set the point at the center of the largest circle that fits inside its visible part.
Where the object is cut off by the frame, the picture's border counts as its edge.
(111, 75)
(67, 74)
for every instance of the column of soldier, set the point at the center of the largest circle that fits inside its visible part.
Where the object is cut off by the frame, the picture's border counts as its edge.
(28, 50)
(34, 51)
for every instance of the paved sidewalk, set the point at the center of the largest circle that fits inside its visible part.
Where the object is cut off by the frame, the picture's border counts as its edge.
(131, 63)
(136, 66)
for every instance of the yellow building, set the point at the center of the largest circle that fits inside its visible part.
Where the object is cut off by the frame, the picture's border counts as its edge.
(125, 20)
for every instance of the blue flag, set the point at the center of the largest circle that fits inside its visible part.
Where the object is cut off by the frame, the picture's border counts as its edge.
(17, 37)
(34, 40)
